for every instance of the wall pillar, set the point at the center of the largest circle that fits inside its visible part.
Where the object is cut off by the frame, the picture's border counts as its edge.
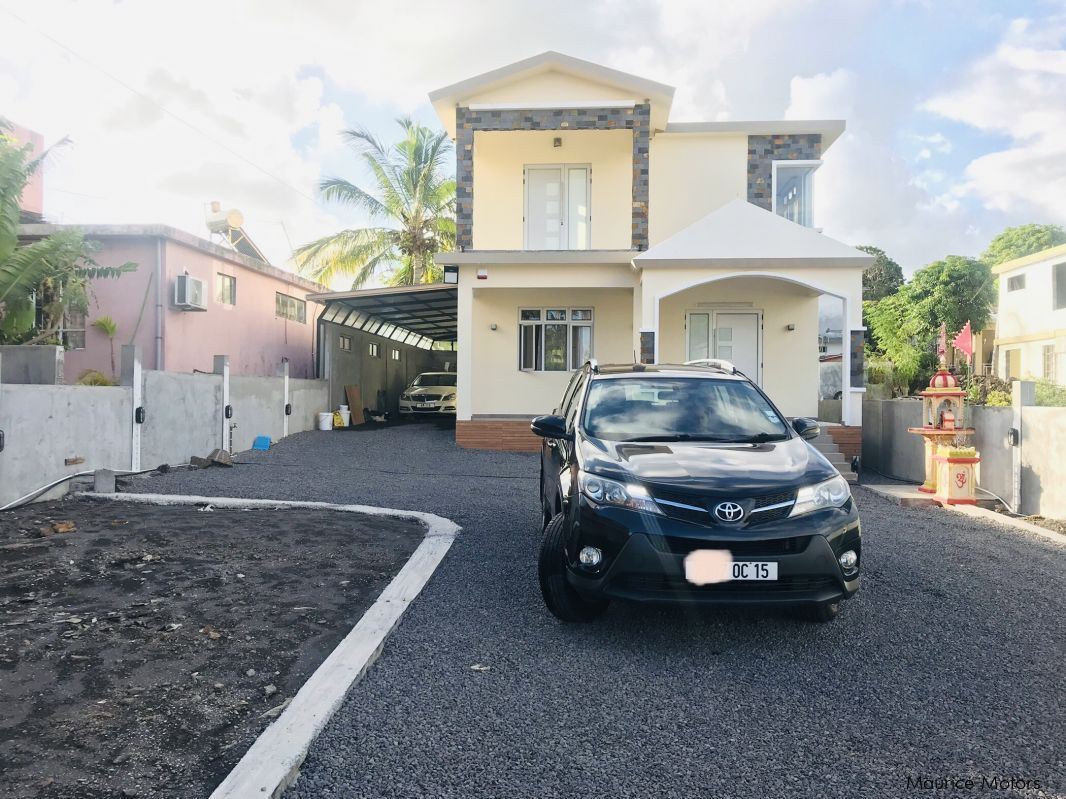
(222, 369)
(283, 373)
(132, 376)
(1023, 393)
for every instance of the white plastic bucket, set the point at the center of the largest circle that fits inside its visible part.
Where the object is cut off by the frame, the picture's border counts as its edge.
(346, 415)
(325, 421)
(344, 408)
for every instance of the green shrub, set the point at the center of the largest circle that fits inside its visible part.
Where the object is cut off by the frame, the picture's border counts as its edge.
(998, 399)
(92, 377)
(1050, 394)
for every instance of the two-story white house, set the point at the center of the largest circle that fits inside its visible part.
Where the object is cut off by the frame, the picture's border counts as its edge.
(1031, 320)
(589, 225)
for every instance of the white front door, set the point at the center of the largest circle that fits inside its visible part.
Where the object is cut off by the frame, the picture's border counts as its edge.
(730, 335)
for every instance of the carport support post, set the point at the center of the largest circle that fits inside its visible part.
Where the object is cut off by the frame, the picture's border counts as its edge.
(222, 369)
(1023, 392)
(283, 371)
(132, 377)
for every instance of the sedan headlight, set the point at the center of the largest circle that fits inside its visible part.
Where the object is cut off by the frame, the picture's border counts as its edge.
(405, 397)
(611, 492)
(832, 493)
(448, 397)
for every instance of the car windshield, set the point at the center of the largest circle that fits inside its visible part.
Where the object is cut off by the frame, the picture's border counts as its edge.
(434, 380)
(680, 409)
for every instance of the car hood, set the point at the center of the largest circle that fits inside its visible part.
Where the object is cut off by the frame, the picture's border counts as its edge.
(707, 466)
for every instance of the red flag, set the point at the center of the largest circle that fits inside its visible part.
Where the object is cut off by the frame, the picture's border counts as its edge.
(964, 340)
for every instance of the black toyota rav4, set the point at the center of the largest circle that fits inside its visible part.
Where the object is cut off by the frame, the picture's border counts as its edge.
(687, 484)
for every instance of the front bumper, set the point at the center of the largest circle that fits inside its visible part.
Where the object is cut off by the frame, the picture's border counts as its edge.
(410, 406)
(644, 557)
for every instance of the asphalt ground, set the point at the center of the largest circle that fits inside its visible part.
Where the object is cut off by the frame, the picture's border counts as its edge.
(947, 664)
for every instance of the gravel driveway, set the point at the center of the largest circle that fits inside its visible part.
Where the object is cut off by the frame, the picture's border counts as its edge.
(946, 665)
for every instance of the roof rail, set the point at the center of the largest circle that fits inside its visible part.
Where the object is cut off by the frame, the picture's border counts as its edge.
(593, 365)
(715, 363)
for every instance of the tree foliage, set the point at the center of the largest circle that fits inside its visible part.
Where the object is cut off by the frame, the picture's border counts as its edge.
(41, 280)
(412, 204)
(882, 278)
(1016, 242)
(951, 292)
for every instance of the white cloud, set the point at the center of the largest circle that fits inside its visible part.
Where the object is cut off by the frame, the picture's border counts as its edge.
(1017, 91)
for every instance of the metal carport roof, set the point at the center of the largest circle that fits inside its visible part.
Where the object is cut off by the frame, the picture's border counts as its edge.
(418, 315)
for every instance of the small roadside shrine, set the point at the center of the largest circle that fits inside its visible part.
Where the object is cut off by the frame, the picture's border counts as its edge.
(950, 465)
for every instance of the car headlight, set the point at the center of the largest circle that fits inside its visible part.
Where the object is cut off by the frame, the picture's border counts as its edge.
(448, 397)
(611, 492)
(832, 493)
(405, 397)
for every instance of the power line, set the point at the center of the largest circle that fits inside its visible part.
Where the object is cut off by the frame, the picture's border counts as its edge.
(163, 108)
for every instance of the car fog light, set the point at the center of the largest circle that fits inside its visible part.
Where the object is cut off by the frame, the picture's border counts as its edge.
(590, 556)
(849, 560)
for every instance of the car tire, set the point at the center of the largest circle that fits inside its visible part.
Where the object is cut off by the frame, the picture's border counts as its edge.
(562, 600)
(825, 612)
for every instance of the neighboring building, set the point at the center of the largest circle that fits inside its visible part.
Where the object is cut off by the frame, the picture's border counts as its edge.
(1031, 319)
(31, 201)
(252, 311)
(589, 225)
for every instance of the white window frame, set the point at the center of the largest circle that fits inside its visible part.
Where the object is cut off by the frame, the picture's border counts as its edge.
(373, 349)
(813, 164)
(570, 325)
(299, 307)
(221, 278)
(1018, 281)
(394, 353)
(344, 343)
(564, 198)
(66, 328)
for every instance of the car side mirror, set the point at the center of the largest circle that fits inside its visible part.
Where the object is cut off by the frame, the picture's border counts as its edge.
(807, 428)
(551, 427)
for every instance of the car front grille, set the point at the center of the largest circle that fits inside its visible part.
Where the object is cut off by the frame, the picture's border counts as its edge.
(676, 545)
(425, 397)
(699, 507)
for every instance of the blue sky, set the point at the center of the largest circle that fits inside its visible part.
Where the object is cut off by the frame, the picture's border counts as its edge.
(956, 110)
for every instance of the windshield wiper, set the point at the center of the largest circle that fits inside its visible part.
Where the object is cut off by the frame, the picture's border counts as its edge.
(762, 438)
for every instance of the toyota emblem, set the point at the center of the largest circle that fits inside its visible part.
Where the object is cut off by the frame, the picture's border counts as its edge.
(729, 511)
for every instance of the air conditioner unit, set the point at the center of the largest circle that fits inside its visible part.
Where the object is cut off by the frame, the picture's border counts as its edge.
(189, 293)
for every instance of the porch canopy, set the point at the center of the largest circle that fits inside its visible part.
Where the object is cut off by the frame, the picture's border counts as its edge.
(745, 236)
(422, 315)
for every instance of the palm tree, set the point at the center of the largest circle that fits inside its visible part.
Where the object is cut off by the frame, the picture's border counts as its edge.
(413, 205)
(107, 326)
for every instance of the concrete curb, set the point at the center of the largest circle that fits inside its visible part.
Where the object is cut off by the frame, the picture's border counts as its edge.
(973, 511)
(273, 761)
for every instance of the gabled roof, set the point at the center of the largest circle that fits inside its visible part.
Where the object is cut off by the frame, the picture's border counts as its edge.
(745, 235)
(639, 89)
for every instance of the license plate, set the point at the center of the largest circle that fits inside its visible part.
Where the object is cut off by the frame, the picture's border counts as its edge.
(709, 566)
(754, 570)
(422, 404)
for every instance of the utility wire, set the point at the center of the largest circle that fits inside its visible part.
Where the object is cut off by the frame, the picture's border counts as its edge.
(162, 108)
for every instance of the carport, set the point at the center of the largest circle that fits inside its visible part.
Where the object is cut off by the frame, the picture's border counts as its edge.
(380, 339)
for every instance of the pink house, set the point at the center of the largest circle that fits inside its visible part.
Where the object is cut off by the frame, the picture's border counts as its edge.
(227, 303)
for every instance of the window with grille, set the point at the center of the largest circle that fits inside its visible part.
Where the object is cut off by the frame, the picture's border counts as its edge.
(554, 339)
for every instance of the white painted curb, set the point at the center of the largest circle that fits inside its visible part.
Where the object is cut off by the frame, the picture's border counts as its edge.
(273, 761)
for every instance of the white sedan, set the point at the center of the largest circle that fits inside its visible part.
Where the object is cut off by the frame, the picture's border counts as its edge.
(430, 392)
